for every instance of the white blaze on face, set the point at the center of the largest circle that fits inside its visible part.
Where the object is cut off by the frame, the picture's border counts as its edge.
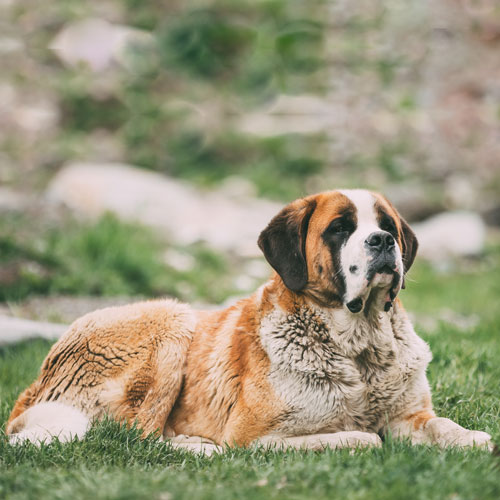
(354, 258)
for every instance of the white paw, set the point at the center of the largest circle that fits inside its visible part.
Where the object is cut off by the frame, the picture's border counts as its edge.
(471, 438)
(196, 444)
(447, 433)
(199, 448)
(184, 438)
(32, 435)
(15, 439)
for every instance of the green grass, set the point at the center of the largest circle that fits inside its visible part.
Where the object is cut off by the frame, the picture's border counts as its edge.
(112, 462)
(104, 258)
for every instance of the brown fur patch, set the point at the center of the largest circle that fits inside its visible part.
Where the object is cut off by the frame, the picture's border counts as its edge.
(226, 395)
(420, 418)
(407, 240)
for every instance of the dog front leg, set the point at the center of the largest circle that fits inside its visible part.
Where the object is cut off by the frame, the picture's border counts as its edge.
(424, 427)
(346, 439)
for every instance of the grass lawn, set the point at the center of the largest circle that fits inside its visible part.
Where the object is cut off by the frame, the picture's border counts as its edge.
(113, 463)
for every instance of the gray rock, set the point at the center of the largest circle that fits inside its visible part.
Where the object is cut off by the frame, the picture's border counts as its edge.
(451, 234)
(96, 43)
(415, 201)
(64, 309)
(11, 201)
(178, 210)
(16, 329)
(301, 114)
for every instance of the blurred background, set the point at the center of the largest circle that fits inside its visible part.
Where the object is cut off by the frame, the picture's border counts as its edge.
(144, 145)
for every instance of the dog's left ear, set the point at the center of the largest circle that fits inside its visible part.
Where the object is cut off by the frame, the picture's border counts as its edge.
(283, 243)
(409, 243)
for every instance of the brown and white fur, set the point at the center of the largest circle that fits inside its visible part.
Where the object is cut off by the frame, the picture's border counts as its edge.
(321, 355)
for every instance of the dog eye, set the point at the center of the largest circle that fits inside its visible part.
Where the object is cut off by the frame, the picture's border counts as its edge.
(388, 225)
(339, 226)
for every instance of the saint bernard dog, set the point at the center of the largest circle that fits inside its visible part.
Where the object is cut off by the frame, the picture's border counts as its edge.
(322, 355)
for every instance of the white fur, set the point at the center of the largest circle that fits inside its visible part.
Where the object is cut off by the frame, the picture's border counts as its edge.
(364, 202)
(444, 432)
(340, 372)
(46, 421)
(352, 376)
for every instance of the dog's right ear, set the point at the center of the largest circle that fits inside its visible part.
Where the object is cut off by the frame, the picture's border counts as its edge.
(409, 243)
(283, 243)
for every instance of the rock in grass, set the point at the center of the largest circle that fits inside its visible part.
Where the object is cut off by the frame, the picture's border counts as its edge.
(96, 43)
(451, 234)
(16, 329)
(182, 212)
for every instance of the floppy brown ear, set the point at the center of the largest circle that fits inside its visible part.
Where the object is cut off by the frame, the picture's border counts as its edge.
(283, 243)
(409, 243)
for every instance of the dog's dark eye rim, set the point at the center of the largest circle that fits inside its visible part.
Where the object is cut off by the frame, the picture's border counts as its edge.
(339, 225)
(388, 224)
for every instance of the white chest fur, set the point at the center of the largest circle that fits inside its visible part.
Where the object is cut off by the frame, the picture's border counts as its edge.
(335, 371)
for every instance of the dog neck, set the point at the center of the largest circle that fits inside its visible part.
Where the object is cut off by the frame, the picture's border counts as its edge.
(279, 305)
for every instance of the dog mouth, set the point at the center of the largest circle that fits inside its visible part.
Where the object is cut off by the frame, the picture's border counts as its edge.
(355, 305)
(359, 304)
(385, 269)
(382, 266)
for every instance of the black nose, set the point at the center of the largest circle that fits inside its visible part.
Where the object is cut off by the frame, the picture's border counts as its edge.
(380, 241)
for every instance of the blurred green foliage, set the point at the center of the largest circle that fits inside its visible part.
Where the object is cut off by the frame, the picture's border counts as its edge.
(207, 43)
(107, 258)
(178, 105)
(278, 166)
(82, 113)
(236, 54)
(187, 100)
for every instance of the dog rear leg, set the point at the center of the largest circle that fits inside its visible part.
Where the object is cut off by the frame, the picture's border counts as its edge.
(152, 414)
(25, 400)
(45, 421)
(148, 394)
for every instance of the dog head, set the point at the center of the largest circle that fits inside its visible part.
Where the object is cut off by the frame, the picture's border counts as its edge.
(342, 248)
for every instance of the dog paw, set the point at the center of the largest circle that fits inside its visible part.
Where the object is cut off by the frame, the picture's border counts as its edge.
(36, 438)
(447, 433)
(474, 438)
(199, 448)
(15, 439)
(196, 444)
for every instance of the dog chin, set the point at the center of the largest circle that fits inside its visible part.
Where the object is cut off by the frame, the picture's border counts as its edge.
(377, 294)
(381, 280)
